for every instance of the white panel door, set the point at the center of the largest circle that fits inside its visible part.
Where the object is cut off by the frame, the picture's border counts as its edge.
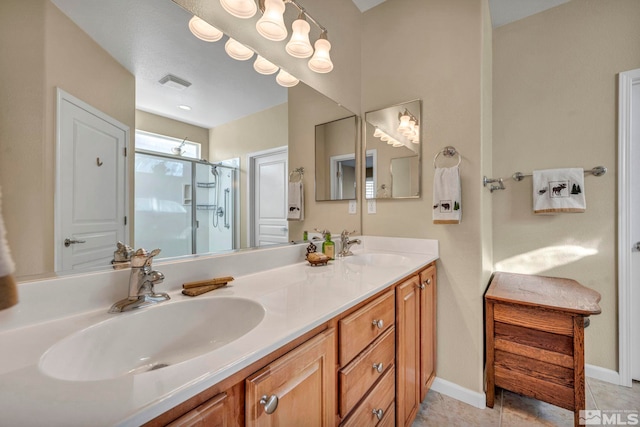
(91, 185)
(270, 199)
(635, 231)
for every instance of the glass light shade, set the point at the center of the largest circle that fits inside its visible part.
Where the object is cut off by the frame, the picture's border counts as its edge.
(378, 133)
(203, 30)
(385, 137)
(285, 79)
(271, 25)
(263, 66)
(237, 50)
(320, 62)
(404, 123)
(408, 131)
(240, 8)
(396, 144)
(299, 46)
(415, 138)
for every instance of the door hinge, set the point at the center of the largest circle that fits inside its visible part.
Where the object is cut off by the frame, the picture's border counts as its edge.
(125, 220)
(125, 151)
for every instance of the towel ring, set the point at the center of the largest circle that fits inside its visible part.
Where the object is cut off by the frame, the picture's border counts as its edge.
(447, 151)
(299, 171)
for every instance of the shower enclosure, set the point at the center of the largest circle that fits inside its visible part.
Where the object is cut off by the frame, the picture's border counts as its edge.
(184, 206)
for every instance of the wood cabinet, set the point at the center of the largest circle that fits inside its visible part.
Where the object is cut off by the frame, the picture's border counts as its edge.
(535, 338)
(416, 342)
(212, 413)
(297, 389)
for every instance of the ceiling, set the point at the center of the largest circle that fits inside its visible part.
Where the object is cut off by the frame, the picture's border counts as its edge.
(150, 38)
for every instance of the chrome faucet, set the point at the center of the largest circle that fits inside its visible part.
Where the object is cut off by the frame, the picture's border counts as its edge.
(345, 243)
(141, 282)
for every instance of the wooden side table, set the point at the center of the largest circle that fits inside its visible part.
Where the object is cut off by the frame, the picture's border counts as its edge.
(535, 338)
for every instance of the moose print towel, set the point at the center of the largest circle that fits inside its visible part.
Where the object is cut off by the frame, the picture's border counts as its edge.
(296, 201)
(558, 190)
(446, 196)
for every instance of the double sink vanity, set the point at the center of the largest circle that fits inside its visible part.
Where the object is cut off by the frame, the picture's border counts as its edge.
(352, 343)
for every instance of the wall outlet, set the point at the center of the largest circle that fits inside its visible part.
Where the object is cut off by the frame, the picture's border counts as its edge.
(371, 206)
(352, 207)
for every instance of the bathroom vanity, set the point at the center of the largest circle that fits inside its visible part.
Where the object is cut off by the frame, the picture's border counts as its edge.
(351, 343)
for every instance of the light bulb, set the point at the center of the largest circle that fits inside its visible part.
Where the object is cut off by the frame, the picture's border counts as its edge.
(299, 46)
(285, 79)
(237, 50)
(263, 66)
(240, 8)
(320, 62)
(203, 30)
(271, 25)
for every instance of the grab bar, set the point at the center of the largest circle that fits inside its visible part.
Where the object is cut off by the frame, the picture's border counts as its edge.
(226, 208)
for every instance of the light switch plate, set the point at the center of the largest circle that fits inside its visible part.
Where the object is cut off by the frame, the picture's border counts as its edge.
(371, 206)
(352, 207)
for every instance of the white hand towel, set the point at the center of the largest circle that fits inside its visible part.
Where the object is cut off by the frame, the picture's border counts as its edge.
(296, 201)
(558, 190)
(447, 202)
(6, 263)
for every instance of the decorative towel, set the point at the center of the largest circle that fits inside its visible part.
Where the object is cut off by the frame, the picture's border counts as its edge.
(296, 201)
(447, 196)
(8, 289)
(558, 190)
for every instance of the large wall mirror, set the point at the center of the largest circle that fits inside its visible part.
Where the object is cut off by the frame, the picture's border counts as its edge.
(112, 55)
(393, 151)
(335, 158)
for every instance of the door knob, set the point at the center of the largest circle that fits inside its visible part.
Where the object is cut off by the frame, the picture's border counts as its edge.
(69, 242)
(637, 246)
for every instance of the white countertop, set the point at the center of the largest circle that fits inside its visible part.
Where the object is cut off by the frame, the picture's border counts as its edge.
(296, 298)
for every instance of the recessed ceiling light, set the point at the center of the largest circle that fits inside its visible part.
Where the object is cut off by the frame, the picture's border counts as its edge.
(184, 107)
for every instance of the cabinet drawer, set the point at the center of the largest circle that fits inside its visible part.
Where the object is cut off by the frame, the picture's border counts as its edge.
(534, 318)
(360, 328)
(357, 377)
(379, 399)
(389, 419)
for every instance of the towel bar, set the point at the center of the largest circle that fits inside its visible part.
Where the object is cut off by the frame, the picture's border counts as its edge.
(596, 171)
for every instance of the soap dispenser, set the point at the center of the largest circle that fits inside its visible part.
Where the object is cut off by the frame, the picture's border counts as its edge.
(328, 247)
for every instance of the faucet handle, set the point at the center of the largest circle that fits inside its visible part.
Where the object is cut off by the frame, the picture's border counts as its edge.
(142, 258)
(346, 233)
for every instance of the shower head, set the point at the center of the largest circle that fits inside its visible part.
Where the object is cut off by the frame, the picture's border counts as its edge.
(178, 151)
(214, 170)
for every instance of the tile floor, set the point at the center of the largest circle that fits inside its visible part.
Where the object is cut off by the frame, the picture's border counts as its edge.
(513, 410)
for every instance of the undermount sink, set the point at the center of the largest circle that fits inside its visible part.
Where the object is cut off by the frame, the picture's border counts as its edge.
(378, 259)
(151, 338)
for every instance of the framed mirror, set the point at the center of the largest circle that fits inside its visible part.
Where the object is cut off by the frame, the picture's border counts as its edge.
(335, 159)
(393, 151)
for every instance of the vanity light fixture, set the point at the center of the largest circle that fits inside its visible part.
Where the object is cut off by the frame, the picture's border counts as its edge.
(237, 50)
(243, 9)
(321, 61)
(263, 66)
(299, 45)
(271, 25)
(285, 79)
(203, 30)
(409, 126)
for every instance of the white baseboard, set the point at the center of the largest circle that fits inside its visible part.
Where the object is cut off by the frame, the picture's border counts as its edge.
(602, 374)
(473, 398)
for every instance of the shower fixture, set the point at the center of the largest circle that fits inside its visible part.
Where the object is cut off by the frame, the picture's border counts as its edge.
(178, 151)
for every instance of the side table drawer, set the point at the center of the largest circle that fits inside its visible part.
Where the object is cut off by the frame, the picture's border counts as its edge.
(534, 318)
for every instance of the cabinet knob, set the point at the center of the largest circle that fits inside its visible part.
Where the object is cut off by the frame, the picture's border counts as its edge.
(378, 413)
(378, 367)
(270, 403)
(421, 286)
(428, 281)
(379, 323)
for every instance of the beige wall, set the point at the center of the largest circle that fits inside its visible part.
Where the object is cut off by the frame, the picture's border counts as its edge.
(258, 132)
(153, 123)
(307, 108)
(42, 49)
(445, 40)
(555, 106)
(336, 138)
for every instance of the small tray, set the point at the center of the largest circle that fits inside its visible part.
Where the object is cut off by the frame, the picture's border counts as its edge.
(319, 262)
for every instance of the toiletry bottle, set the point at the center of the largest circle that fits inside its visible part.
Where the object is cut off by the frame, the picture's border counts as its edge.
(328, 247)
(305, 235)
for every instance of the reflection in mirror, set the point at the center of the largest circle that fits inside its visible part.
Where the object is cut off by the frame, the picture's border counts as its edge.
(110, 55)
(335, 158)
(393, 151)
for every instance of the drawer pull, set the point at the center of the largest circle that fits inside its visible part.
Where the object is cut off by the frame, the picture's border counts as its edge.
(270, 403)
(378, 367)
(379, 413)
(379, 323)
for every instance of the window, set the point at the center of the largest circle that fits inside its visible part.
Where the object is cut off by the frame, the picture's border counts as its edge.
(147, 141)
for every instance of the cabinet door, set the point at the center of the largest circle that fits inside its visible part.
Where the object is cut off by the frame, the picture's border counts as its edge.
(212, 413)
(407, 351)
(427, 329)
(298, 389)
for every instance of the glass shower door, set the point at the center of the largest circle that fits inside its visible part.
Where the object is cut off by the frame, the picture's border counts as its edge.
(163, 205)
